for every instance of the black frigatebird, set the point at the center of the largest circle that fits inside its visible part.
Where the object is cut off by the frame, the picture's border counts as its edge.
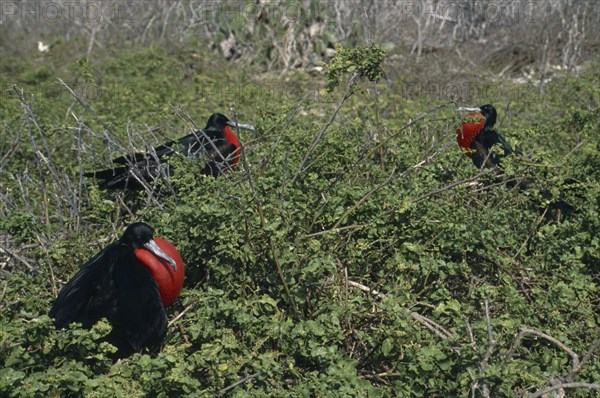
(129, 282)
(216, 145)
(477, 136)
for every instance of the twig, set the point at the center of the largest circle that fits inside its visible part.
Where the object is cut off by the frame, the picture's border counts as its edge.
(586, 358)
(525, 331)
(480, 383)
(18, 258)
(240, 381)
(469, 331)
(448, 187)
(546, 390)
(182, 313)
(492, 345)
(436, 328)
(319, 135)
(332, 230)
(366, 289)
(259, 208)
(87, 108)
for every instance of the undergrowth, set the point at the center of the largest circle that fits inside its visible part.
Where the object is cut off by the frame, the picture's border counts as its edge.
(382, 263)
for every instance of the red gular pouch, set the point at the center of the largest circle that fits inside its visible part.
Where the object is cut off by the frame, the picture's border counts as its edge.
(471, 126)
(231, 138)
(169, 280)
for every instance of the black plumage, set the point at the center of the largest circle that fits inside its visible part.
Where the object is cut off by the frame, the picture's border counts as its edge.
(215, 145)
(116, 285)
(481, 153)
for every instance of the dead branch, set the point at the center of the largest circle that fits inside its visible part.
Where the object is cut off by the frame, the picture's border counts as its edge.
(181, 314)
(240, 381)
(436, 328)
(319, 135)
(546, 390)
(19, 258)
(525, 331)
(586, 358)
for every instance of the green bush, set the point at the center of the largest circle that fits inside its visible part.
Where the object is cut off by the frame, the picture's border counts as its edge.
(275, 264)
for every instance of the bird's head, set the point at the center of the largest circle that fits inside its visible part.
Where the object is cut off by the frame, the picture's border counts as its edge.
(473, 123)
(487, 111)
(218, 121)
(140, 235)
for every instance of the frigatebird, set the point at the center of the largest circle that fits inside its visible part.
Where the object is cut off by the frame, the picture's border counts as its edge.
(129, 282)
(477, 136)
(216, 145)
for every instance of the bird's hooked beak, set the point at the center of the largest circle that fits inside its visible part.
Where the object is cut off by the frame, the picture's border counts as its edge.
(241, 125)
(157, 251)
(466, 109)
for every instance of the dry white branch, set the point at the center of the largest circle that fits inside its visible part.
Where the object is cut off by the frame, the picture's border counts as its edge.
(539, 393)
(436, 328)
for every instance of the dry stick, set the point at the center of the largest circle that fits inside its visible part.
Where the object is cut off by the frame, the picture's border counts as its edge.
(378, 146)
(2, 297)
(436, 328)
(364, 198)
(448, 187)
(369, 40)
(544, 391)
(18, 258)
(391, 178)
(87, 108)
(503, 182)
(469, 331)
(28, 114)
(366, 289)
(240, 381)
(181, 314)
(586, 358)
(274, 252)
(81, 180)
(328, 231)
(321, 132)
(524, 331)
(439, 330)
(481, 384)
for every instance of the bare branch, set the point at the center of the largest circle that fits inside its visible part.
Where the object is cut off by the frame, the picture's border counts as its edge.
(19, 258)
(319, 135)
(539, 393)
(240, 381)
(181, 314)
(439, 330)
(586, 358)
(523, 332)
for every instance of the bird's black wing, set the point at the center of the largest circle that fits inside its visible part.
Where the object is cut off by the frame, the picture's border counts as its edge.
(209, 146)
(220, 159)
(87, 294)
(140, 318)
(481, 145)
(138, 170)
(165, 149)
(505, 145)
(132, 176)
